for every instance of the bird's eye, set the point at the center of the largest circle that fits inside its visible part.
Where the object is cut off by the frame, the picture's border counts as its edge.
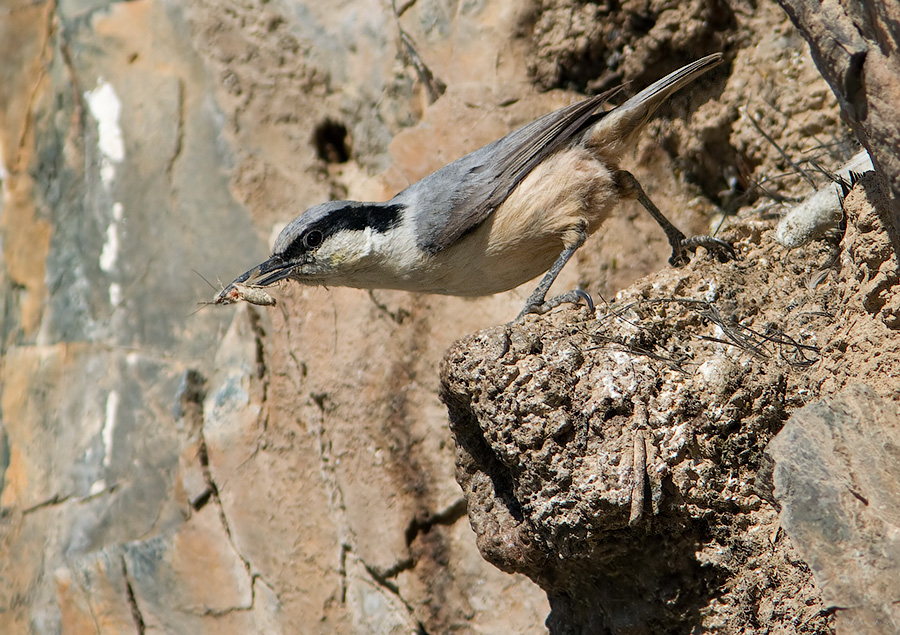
(313, 239)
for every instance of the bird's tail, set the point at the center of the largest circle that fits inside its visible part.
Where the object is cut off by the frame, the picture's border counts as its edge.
(614, 133)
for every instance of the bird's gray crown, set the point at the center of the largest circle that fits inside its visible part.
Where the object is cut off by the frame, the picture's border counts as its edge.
(314, 226)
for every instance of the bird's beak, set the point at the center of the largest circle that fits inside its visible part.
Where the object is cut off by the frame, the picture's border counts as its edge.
(266, 273)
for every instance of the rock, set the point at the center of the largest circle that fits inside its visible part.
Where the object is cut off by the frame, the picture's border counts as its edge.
(856, 47)
(871, 249)
(171, 466)
(147, 438)
(822, 210)
(621, 477)
(837, 479)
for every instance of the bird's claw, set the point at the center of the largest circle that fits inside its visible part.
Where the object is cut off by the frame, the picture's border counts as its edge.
(575, 296)
(721, 249)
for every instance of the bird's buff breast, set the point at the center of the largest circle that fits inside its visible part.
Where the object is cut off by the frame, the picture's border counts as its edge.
(527, 233)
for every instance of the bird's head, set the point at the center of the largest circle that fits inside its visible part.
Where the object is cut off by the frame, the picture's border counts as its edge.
(326, 244)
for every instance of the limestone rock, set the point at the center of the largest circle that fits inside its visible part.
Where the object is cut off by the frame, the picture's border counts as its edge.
(167, 466)
(856, 46)
(837, 478)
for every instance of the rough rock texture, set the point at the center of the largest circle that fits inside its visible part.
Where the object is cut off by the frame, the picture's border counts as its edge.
(618, 460)
(169, 467)
(856, 46)
(837, 475)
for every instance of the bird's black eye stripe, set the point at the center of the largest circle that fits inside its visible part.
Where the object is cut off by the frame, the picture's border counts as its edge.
(383, 217)
(353, 217)
(294, 250)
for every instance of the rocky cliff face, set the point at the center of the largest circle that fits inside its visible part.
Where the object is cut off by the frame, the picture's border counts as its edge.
(167, 466)
(634, 464)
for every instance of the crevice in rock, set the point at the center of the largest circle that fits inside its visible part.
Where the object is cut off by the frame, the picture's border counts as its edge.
(136, 614)
(191, 393)
(433, 85)
(383, 575)
(66, 56)
(397, 317)
(382, 580)
(256, 577)
(259, 335)
(46, 58)
(448, 516)
(191, 400)
(200, 501)
(402, 7)
(212, 493)
(56, 499)
(90, 607)
(179, 138)
(106, 490)
(59, 499)
(342, 571)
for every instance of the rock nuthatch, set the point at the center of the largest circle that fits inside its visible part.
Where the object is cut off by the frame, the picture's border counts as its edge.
(496, 218)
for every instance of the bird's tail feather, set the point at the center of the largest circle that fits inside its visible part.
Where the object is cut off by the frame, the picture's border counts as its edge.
(613, 134)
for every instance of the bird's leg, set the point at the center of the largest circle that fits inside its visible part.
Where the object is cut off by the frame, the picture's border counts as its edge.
(536, 303)
(681, 245)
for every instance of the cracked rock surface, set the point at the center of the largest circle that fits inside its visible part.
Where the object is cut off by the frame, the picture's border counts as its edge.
(167, 466)
(838, 477)
(618, 460)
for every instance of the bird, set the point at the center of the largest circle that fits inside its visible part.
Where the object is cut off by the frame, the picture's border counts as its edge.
(500, 216)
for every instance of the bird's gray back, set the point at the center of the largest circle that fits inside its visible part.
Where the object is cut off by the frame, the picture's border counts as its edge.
(458, 197)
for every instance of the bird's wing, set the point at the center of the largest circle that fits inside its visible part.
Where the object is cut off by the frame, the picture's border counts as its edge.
(458, 197)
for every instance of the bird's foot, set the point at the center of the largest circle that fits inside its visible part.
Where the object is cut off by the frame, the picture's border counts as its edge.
(576, 296)
(682, 249)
